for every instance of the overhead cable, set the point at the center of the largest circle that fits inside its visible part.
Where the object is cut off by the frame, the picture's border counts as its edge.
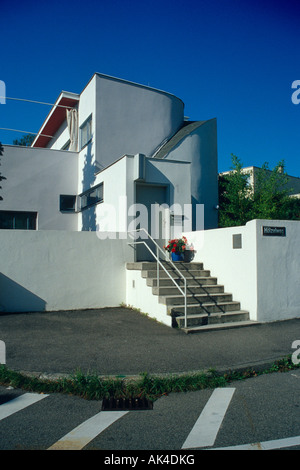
(25, 132)
(37, 102)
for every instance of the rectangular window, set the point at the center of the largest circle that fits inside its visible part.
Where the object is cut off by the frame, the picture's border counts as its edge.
(67, 203)
(91, 197)
(16, 220)
(86, 132)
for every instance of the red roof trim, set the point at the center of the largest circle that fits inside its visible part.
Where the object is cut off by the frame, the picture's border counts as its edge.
(56, 118)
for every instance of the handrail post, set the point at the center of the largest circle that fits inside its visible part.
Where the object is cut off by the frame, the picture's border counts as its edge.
(157, 266)
(158, 263)
(185, 304)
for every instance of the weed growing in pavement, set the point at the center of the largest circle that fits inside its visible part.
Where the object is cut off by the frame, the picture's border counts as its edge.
(94, 387)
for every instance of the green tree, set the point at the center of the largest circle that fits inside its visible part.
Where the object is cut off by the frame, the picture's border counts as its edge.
(234, 196)
(26, 140)
(291, 209)
(239, 202)
(270, 195)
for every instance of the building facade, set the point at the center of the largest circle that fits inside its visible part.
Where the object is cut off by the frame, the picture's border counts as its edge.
(292, 185)
(117, 145)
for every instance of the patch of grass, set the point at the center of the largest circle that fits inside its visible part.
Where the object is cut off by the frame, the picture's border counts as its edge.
(93, 387)
(284, 364)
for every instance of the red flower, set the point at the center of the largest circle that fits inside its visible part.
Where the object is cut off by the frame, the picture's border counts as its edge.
(176, 245)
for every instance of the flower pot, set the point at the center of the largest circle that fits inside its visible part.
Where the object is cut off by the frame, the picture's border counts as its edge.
(189, 256)
(177, 256)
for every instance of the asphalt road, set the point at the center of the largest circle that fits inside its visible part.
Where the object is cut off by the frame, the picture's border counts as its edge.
(262, 411)
(117, 341)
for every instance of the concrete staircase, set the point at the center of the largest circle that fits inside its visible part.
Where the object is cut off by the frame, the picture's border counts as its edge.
(208, 306)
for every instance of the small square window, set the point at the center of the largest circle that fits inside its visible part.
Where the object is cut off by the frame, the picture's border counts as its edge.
(67, 203)
(237, 241)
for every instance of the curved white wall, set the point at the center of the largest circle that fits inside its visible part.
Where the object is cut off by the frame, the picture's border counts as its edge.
(132, 119)
(200, 148)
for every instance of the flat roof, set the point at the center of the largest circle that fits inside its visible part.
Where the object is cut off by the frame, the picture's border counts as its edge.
(109, 77)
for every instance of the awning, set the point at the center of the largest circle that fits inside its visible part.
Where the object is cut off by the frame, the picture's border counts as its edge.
(55, 118)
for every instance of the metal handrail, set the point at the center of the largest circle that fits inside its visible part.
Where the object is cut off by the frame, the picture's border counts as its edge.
(159, 263)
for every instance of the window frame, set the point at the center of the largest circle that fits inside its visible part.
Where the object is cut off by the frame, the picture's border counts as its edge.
(98, 200)
(88, 125)
(29, 222)
(67, 211)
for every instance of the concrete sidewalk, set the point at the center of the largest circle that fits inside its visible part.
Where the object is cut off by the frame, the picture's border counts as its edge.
(120, 341)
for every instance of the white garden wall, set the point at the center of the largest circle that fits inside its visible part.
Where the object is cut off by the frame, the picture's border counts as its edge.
(56, 270)
(278, 274)
(263, 273)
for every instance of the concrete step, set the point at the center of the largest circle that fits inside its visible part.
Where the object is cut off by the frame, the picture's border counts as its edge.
(208, 306)
(213, 318)
(192, 273)
(191, 289)
(219, 326)
(194, 281)
(149, 265)
(196, 309)
(172, 300)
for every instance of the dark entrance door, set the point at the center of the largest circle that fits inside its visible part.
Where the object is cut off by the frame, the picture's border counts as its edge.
(146, 197)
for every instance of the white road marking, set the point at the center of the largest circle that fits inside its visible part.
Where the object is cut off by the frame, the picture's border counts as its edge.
(267, 445)
(203, 433)
(19, 403)
(206, 428)
(87, 431)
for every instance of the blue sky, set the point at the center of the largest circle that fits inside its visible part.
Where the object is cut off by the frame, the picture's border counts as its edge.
(234, 60)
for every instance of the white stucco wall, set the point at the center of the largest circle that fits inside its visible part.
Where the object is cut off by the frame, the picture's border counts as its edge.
(57, 270)
(114, 179)
(60, 138)
(234, 268)
(278, 279)
(176, 174)
(132, 118)
(119, 190)
(263, 274)
(127, 118)
(139, 295)
(200, 148)
(87, 165)
(35, 178)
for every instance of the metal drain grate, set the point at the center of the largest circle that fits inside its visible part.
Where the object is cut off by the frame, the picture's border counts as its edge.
(133, 403)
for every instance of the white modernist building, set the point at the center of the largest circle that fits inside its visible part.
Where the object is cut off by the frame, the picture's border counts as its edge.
(115, 145)
(292, 185)
(117, 157)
